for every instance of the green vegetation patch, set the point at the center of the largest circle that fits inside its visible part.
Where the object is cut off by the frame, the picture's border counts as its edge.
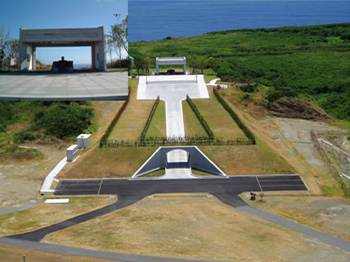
(131, 123)
(193, 127)
(218, 119)
(157, 127)
(13, 152)
(27, 121)
(64, 120)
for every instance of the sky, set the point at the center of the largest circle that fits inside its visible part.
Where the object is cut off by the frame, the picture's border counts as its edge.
(47, 14)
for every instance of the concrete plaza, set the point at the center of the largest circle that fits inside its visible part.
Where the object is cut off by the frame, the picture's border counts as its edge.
(40, 86)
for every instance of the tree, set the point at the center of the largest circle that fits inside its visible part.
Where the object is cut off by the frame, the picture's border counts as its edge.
(202, 63)
(64, 120)
(118, 49)
(109, 46)
(119, 32)
(11, 51)
(4, 38)
(213, 64)
(193, 62)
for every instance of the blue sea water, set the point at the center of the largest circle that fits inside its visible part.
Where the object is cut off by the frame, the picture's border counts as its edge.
(155, 20)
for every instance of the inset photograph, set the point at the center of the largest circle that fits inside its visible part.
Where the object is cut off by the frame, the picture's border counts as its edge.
(66, 52)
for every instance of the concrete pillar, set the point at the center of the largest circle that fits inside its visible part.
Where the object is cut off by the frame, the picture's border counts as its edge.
(93, 57)
(102, 66)
(29, 57)
(185, 68)
(33, 57)
(23, 59)
(157, 68)
(96, 55)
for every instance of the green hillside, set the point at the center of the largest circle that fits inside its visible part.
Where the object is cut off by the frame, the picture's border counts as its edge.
(311, 62)
(27, 120)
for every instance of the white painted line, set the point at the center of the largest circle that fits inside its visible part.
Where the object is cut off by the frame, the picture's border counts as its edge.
(57, 201)
(259, 183)
(99, 189)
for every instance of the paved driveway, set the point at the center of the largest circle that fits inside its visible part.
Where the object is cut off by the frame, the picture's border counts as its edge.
(173, 90)
(64, 87)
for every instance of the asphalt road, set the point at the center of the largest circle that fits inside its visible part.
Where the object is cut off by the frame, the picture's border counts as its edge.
(145, 187)
(131, 191)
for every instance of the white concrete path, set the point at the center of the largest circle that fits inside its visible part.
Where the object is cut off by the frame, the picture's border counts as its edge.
(213, 82)
(46, 187)
(173, 90)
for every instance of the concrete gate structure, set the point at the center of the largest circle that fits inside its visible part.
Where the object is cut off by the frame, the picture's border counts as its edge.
(30, 39)
(170, 61)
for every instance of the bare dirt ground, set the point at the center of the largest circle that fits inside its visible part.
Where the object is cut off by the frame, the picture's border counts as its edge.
(339, 151)
(194, 227)
(11, 254)
(327, 214)
(46, 214)
(21, 180)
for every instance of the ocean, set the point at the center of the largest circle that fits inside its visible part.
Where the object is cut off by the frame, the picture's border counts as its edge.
(155, 20)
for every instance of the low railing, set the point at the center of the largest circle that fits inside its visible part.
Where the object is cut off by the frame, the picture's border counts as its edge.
(175, 142)
(335, 170)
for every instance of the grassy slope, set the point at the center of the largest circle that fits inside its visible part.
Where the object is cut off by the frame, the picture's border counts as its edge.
(193, 127)
(157, 128)
(296, 60)
(133, 119)
(219, 121)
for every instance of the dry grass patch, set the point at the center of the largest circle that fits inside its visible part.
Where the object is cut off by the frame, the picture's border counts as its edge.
(327, 214)
(247, 160)
(12, 254)
(105, 112)
(219, 121)
(120, 162)
(189, 227)
(43, 214)
(133, 119)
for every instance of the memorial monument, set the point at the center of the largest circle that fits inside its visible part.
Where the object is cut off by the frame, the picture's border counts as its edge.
(30, 39)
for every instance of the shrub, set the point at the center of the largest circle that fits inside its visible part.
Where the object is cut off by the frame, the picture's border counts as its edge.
(251, 88)
(25, 135)
(64, 120)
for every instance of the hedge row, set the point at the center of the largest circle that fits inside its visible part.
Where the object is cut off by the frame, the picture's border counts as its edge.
(200, 118)
(114, 121)
(235, 117)
(163, 141)
(143, 134)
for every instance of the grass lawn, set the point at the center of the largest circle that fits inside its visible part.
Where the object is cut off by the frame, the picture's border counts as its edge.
(193, 127)
(133, 119)
(192, 226)
(247, 160)
(157, 128)
(120, 162)
(13, 254)
(46, 214)
(219, 121)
